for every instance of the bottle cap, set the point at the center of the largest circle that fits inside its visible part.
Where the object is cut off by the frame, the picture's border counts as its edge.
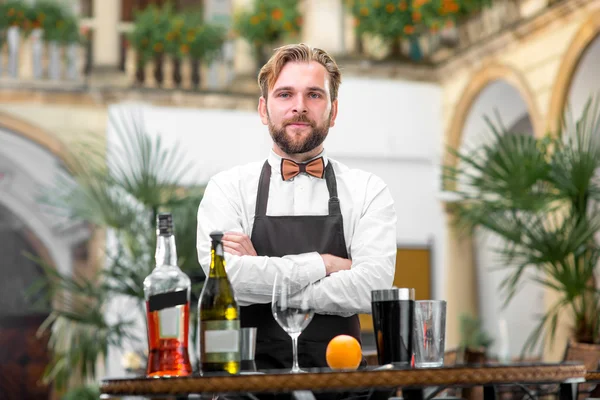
(216, 236)
(164, 223)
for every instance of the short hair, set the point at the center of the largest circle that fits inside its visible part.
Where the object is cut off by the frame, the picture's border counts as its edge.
(298, 53)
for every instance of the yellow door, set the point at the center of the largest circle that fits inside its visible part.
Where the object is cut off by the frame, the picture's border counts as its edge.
(413, 270)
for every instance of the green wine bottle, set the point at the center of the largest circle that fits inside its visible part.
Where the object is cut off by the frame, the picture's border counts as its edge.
(219, 317)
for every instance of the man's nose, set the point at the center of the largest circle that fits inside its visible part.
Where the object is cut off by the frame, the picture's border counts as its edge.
(300, 106)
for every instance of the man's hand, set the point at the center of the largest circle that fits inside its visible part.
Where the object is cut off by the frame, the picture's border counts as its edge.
(335, 264)
(238, 244)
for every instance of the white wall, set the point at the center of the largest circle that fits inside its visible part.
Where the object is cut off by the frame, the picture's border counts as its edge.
(524, 309)
(586, 80)
(390, 128)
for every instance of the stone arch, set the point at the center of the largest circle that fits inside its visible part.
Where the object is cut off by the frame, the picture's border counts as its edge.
(580, 43)
(478, 82)
(461, 285)
(35, 134)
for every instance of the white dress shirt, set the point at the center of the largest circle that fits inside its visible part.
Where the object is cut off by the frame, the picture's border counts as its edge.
(369, 230)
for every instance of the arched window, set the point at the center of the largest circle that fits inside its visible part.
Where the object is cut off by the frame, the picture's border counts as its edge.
(19, 248)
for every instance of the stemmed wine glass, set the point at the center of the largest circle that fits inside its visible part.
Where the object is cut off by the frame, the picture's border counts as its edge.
(293, 318)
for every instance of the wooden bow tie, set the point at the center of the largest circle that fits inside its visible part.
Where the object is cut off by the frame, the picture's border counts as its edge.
(290, 169)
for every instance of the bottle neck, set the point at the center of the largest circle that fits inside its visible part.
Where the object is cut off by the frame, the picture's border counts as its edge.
(217, 262)
(166, 252)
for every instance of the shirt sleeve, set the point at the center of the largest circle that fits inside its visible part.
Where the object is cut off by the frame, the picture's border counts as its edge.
(373, 253)
(252, 277)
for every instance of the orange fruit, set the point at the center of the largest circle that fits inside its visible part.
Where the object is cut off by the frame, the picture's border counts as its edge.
(343, 352)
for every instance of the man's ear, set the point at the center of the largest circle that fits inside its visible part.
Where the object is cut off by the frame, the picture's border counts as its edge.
(334, 111)
(262, 110)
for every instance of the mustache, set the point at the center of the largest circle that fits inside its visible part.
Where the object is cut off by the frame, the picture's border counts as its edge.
(299, 119)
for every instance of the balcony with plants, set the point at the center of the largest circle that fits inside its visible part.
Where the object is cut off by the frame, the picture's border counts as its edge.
(40, 43)
(167, 49)
(427, 32)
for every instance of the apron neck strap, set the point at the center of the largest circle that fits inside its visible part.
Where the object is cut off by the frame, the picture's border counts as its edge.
(263, 190)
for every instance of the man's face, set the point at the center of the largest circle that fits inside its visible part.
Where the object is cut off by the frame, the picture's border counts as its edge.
(299, 110)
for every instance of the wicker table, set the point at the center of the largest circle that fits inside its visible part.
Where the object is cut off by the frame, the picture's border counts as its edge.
(593, 377)
(412, 381)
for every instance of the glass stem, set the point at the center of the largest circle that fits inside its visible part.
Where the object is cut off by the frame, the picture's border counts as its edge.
(295, 367)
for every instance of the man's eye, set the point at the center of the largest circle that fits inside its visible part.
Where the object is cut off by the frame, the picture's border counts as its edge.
(284, 95)
(315, 95)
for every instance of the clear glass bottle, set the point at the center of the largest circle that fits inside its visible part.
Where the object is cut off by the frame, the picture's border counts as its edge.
(167, 292)
(219, 317)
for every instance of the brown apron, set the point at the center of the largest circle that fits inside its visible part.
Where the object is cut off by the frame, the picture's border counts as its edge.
(278, 236)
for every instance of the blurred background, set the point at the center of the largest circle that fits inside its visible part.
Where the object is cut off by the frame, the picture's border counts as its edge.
(114, 110)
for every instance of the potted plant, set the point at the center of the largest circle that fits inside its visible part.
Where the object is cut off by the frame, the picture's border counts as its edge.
(15, 14)
(149, 38)
(394, 21)
(37, 22)
(541, 196)
(71, 39)
(474, 341)
(60, 28)
(267, 23)
(202, 43)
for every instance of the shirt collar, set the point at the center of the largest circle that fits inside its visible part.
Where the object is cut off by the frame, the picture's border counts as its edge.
(275, 161)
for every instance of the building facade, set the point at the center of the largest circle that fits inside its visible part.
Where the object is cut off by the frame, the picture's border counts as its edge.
(524, 59)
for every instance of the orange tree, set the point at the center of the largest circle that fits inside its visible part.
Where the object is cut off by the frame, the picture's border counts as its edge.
(14, 13)
(47, 16)
(150, 33)
(267, 22)
(397, 20)
(192, 37)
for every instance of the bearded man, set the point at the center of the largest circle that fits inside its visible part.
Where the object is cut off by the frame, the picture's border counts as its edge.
(328, 228)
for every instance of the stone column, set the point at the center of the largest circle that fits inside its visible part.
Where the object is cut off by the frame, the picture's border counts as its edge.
(13, 43)
(220, 12)
(26, 59)
(54, 60)
(324, 25)
(37, 52)
(461, 280)
(130, 65)
(244, 63)
(107, 14)
(186, 73)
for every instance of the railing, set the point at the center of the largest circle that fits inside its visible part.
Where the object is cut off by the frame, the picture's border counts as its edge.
(31, 59)
(166, 72)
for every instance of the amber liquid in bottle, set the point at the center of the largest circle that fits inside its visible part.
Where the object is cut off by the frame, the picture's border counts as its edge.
(167, 294)
(168, 356)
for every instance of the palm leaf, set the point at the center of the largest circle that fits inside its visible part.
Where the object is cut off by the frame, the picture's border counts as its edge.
(541, 197)
(119, 186)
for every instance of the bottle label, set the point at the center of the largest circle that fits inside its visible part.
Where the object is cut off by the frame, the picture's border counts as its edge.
(170, 313)
(167, 300)
(169, 322)
(221, 341)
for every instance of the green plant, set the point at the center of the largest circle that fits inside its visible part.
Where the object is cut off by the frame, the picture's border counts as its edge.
(118, 191)
(394, 20)
(14, 13)
(268, 22)
(43, 14)
(152, 31)
(541, 196)
(472, 336)
(69, 30)
(202, 40)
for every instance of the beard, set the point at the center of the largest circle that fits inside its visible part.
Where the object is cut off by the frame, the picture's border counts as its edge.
(288, 145)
